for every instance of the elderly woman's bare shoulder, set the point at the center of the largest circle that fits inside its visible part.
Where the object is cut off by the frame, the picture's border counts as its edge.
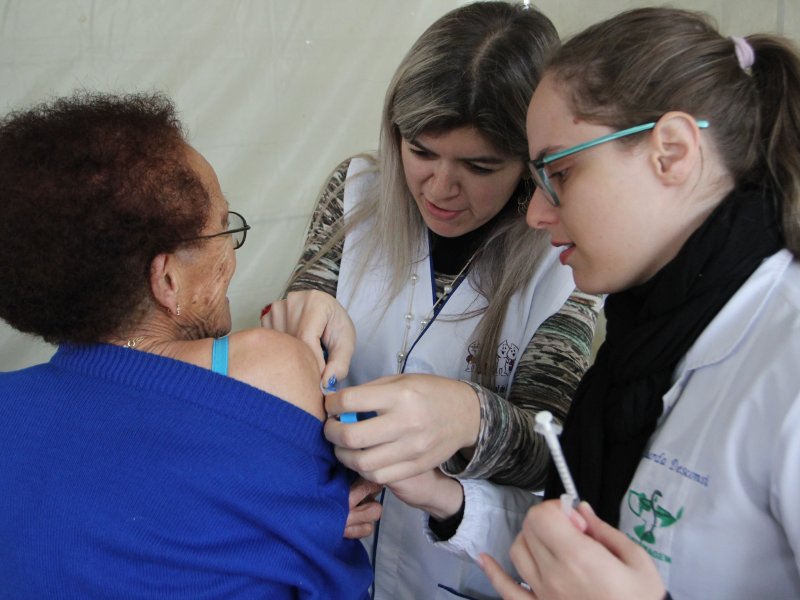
(279, 364)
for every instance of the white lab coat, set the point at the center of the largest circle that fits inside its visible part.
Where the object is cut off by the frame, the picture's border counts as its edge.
(712, 500)
(407, 566)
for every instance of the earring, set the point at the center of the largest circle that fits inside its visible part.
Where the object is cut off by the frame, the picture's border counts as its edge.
(526, 189)
(178, 310)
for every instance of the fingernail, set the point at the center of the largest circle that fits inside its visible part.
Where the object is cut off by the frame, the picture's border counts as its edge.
(587, 506)
(330, 386)
(567, 503)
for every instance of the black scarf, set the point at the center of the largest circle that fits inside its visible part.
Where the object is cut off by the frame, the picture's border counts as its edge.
(649, 329)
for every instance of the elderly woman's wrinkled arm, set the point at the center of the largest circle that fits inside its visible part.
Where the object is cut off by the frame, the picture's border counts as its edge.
(263, 358)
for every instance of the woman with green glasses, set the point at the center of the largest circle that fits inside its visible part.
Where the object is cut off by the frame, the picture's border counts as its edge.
(683, 438)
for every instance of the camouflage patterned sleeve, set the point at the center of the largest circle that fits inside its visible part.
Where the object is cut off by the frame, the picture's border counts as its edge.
(508, 451)
(323, 274)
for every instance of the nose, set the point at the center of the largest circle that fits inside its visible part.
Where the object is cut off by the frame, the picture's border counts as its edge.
(541, 214)
(443, 183)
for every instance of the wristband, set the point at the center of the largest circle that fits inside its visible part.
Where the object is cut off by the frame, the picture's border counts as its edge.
(447, 528)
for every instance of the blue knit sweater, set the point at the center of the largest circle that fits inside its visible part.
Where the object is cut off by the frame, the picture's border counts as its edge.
(128, 475)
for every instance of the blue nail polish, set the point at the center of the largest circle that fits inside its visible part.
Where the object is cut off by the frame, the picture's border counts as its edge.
(330, 386)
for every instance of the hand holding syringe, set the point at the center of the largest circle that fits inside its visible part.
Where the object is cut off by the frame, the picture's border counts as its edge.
(548, 554)
(550, 431)
(569, 500)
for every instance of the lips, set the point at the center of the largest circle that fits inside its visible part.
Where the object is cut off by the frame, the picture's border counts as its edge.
(566, 253)
(441, 213)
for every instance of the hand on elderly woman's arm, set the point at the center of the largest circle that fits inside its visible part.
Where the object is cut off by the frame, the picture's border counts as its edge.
(317, 319)
(422, 420)
(578, 557)
(364, 509)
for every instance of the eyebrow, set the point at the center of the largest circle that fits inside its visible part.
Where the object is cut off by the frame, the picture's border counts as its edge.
(546, 151)
(491, 160)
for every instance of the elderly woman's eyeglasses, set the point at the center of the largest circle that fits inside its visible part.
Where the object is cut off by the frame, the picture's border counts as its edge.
(237, 229)
(539, 166)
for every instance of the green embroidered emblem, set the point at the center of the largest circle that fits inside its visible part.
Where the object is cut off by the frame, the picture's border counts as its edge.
(651, 514)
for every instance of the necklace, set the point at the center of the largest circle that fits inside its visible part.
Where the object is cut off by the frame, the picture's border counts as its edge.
(437, 306)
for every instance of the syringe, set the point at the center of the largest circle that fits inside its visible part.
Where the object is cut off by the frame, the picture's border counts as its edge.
(545, 426)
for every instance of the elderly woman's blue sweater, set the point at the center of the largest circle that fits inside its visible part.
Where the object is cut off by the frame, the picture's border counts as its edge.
(128, 475)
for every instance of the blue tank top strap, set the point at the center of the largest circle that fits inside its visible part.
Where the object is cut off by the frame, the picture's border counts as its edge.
(219, 355)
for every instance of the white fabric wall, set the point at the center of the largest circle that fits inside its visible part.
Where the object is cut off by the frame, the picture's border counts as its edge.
(274, 92)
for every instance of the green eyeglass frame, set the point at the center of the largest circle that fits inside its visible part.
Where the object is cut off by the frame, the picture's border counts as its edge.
(542, 180)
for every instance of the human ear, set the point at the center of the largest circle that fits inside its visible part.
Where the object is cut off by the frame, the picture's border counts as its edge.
(165, 281)
(675, 147)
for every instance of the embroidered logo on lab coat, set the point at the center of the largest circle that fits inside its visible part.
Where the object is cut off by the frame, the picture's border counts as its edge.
(654, 516)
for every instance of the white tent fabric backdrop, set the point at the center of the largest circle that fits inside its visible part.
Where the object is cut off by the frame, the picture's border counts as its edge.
(274, 93)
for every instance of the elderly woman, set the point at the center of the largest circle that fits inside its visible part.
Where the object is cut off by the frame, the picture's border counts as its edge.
(153, 455)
